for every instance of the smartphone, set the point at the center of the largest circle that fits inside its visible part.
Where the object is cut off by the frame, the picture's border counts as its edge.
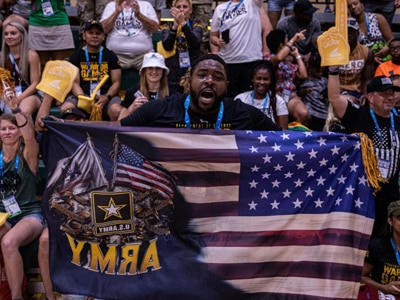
(138, 94)
(225, 36)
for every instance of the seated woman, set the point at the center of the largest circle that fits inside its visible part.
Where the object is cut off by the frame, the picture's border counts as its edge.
(375, 31)
(183, 35)
(153, 84)
(23, 64)
(382, 263)
(263, 96)
(19, 163)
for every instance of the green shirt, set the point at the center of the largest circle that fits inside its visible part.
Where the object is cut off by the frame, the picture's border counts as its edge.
(37, 18)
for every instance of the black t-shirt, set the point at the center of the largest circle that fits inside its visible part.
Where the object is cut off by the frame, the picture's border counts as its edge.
(381, 255)
(95, 73)
(360, 120)
(130, 96)
(170, 112)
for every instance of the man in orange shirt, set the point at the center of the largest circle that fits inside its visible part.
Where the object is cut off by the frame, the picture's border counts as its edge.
(391, 67)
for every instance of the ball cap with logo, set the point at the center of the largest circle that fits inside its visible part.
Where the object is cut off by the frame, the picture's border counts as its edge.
(379, 84)
(94, 23)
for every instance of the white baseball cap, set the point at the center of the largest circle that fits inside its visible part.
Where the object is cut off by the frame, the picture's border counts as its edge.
(153, 59)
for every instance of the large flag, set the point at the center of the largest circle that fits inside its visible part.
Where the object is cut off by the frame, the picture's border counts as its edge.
(256, 215)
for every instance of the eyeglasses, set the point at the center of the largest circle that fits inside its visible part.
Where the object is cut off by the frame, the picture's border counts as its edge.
(388, 93)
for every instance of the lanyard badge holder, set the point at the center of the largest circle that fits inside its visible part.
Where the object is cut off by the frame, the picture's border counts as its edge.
(10, 203)
(47, 8)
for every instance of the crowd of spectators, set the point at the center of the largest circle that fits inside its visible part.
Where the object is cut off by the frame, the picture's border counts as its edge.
(254, 56)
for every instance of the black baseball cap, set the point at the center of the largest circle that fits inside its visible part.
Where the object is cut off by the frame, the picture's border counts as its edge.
(304, 7)
(74, 112)
(379, 84)
(93, 23)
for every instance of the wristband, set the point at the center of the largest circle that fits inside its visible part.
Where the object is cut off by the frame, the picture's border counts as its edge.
(333, 70)
(16, 110)
(20, 126)
(109, 97)
(298, 57)
(290, 47)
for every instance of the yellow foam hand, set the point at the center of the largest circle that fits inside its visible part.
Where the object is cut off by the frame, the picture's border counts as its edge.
(332, 44)
(85, 102)
(3, 218)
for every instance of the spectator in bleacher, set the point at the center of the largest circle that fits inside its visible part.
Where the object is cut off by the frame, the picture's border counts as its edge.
(289, 66)
(314, 92)
(50, 33)
(202, 12)
(263, 96)
(89, 10)
(386, 8)
(375, 31)
(236, 32)
(18, 11)
(20, 156)
(275, 8)
(182, 36)
(391, 67)
(158, 6)
(396, 88)
(23, 64)
(153, 84)
(94, 62)
(355, 76)
(129, 26)
(304, 21)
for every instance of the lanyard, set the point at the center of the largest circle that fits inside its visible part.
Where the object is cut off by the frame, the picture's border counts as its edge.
(3, 190)
(378, 129)
(394, 110)
(266, 101)
(11, 56)
(98, 67)
(396, 252)
(226, 10)
(219, 118)
(367, 22)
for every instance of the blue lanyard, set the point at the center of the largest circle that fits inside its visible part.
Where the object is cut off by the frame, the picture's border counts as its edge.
(367, 22)
(392, 129)
(13, 61)
(266, 101)
(396, 252)
(219, 118)
(394, 111)
(3, 190)
(226, 10)
(98, 67)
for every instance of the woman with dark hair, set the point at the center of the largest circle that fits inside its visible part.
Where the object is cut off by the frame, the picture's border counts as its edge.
(19, 163)
(263, 96)
(382, 263)
(289, 67)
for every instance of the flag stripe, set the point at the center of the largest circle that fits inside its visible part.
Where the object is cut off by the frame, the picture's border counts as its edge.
(201, 179)
(306, 269)
(338, 220)
(319, 288)
(212, 195)
(264, 238)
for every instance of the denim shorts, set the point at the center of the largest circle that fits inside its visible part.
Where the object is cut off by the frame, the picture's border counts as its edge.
(16, 219)
(278, 5)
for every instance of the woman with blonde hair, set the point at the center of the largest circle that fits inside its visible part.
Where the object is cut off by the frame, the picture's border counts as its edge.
(182, 38)
(23, 64)
(153, 84)
(19, 164)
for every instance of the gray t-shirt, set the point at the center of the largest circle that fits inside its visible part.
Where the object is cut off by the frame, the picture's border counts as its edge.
(313, 30)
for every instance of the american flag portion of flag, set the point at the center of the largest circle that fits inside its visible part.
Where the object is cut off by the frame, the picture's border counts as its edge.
(281, 215)
(140, 174)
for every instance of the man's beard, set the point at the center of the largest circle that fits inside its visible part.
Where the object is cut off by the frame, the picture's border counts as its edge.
(215, 107)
